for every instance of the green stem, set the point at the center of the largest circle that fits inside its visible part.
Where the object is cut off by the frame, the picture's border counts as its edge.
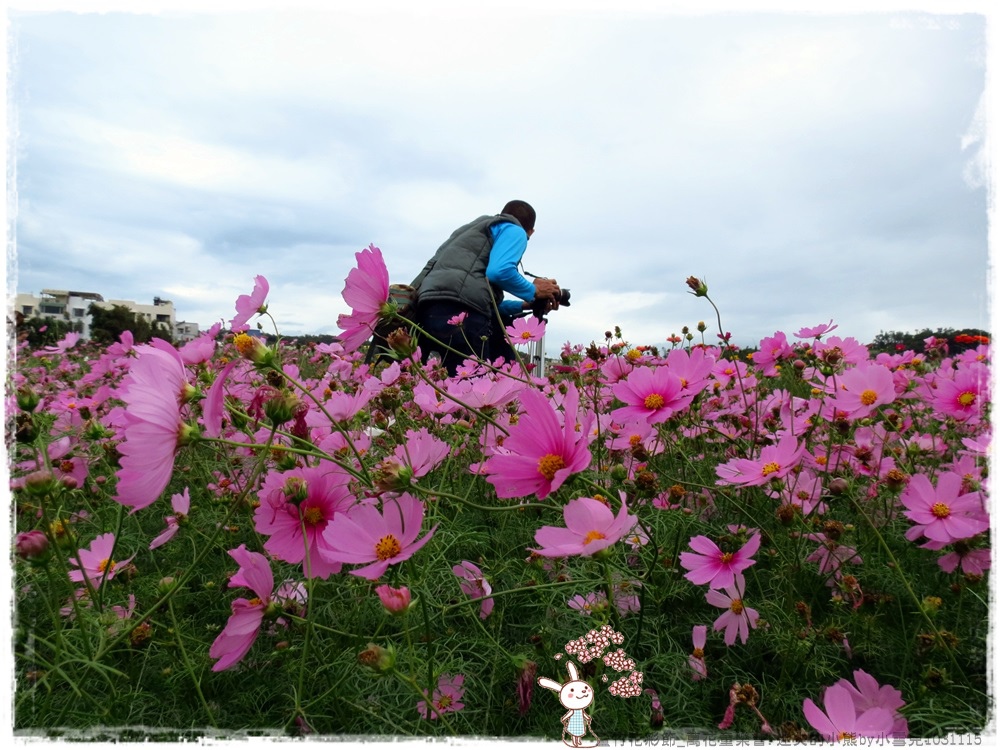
(188, 667)
(909, 589)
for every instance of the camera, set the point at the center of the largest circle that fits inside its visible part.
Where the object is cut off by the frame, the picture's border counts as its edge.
(540, 307)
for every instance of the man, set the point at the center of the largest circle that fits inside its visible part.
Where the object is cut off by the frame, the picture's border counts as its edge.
(468, 275)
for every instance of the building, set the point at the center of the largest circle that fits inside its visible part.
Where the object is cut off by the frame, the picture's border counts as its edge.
(72, 307)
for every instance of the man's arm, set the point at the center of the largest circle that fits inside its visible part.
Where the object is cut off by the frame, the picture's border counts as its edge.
(509, 244)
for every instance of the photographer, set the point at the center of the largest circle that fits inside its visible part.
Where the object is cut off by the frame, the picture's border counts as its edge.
(469, 274)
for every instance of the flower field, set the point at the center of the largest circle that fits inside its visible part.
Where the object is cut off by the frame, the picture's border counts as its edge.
(236, 535)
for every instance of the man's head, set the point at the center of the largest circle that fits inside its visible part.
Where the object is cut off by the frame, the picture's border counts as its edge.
(523, 212)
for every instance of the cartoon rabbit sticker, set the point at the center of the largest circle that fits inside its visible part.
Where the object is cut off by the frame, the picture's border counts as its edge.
(575, 695)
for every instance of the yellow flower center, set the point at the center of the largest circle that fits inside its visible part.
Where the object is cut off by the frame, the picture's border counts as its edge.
(549, 464)
(387, 547)
(653, 401)
(244, 344)
(821, 460)
(593, 536)
(632, 355)
(769, 468)
(312, 516)
(698, 653)
(255, 602)
(106, 565)
(846, 736)
(736, 606)
(444, 701)
(525, 335)
(940, 510)
(967, 399)
(727, 557)
(634, 440)
(868, 397)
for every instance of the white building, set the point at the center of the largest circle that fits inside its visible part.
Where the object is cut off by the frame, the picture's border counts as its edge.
(72, 307)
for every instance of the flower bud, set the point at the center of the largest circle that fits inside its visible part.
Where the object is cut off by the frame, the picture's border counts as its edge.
(31, 545)
(253, 349)
(378, 659)
(296, 490)
(837, 486)
(395, 601)
(701, 326)
(41, 482)
(140, 635)
(27, 399)
(392, 476)
(281, 407)
(698, 287)
(401, 342)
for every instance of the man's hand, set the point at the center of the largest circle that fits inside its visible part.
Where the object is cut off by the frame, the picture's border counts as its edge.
(548, 289)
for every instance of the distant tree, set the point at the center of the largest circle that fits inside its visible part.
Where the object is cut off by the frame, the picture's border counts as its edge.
(46, 331)
(108, 324)
(898, 341)
(311, 338)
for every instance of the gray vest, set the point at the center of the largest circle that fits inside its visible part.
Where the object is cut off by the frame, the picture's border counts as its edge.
(457, 272)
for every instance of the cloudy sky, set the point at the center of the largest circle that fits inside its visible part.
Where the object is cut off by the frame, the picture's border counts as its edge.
(809, 166)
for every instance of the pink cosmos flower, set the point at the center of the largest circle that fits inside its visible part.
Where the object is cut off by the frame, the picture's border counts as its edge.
(419, 453)
(816, 331)
(626, 597)
(540, 453)
(869, 694)
(95, 563)
(773, 349)
(841, 721)
(526, 330)
(363, 535)
(457, 320)
(694, 368)
(595, 601)
(964, 397)
(943, 514)
(64, 344)
(214, 406)
(296, 508)
(696, 660)
(709, 564)
(366, 290)
(235, 640)
(738, 618)
(31, 545)
(198, 350)
(590, 527)
(974, 562)
(861, 389)
(248, 305)
(181, 503)
(123, 346)
(776, 461)
(152, 391)
(474, 585)
(447, 698)
(483, 392)
(123, 613)
(830, 554)
(655, 394)
(395, 601)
